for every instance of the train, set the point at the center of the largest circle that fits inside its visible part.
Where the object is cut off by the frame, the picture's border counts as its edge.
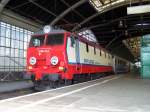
(56, 55)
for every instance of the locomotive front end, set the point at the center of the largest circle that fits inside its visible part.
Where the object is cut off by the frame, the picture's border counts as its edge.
(46, 56)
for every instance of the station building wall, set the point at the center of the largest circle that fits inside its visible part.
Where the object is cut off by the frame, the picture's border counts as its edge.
(15, 31)
(13, 45)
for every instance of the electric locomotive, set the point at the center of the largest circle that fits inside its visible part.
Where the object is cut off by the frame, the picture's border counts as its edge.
(56, 55)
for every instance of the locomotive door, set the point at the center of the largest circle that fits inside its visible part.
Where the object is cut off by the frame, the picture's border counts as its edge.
(73, 52)
(78, 65)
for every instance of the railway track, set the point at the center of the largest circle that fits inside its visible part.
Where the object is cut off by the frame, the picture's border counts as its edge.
(28, 89)
(15, 88)
(10, 94)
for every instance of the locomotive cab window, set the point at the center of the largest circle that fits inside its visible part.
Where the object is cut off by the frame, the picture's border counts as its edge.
(55, 39)
(37, 41)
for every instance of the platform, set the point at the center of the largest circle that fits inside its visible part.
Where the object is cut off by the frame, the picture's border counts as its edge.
(110, 94)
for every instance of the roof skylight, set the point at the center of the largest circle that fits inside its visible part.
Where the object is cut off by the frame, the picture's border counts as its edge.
(100, 5)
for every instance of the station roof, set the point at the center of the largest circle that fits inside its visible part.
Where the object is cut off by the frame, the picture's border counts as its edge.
(107, 19)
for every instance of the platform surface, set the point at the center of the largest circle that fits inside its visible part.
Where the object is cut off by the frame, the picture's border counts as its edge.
(111, 94)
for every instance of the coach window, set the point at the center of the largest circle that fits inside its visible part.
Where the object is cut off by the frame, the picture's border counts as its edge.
(94, 50)
(72, 41)
(87, 47)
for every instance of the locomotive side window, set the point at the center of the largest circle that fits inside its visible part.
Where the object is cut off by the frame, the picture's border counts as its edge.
(100, 52)
(112, 56)
(55, 39)
(87, 47)
(37, 41)
(72, 41)
(94, 50)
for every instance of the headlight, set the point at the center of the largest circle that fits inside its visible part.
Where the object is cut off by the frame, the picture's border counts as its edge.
(54, 60)
(30, 67)
(32, 60)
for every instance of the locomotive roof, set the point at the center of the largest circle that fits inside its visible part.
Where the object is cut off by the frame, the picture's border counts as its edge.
(80, 37)
(41, 32)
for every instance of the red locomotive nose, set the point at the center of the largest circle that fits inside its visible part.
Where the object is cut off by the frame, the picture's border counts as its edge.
(47, 52)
